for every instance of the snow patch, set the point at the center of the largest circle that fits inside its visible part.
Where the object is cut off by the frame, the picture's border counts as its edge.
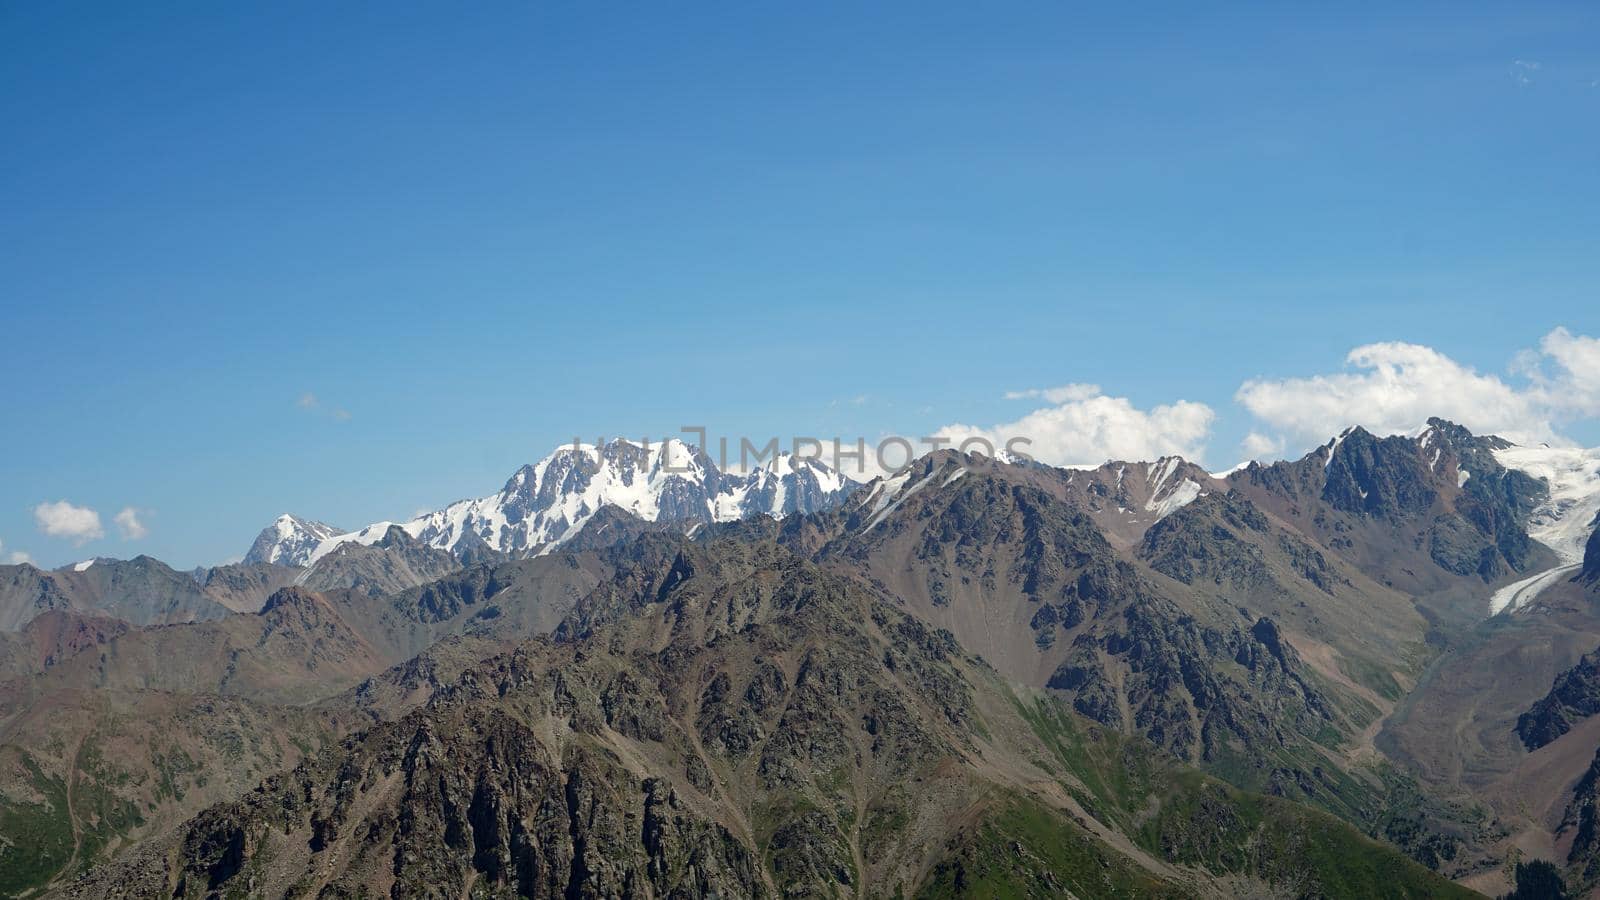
(1163, 470)
(1181, 495)
(1223, 475)
(892, 499)
(1334, 445)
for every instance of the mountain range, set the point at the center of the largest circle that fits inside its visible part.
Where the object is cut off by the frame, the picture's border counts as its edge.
(1370, 671)
(549, 502)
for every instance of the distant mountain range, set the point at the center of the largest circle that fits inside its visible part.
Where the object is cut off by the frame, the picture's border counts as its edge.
(547, 503)
(1369, 671)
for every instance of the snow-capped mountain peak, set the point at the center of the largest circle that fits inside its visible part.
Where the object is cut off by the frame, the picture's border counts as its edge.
(289, 540)
(546, 503)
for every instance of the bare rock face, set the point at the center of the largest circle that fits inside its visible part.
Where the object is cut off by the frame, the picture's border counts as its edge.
(53, 638)
(1575, 696)
(1591, 559)
(1581, 824)
(597, 769)
(443, 803)
(26, 592)
(1374, 476)
(1442, 492)
(1226, 540)
(393, 564)
(244, 587)
(140, 591)
(1173, 693)
(1200, 680)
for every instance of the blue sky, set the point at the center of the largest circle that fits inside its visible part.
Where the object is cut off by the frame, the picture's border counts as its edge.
(472, 235)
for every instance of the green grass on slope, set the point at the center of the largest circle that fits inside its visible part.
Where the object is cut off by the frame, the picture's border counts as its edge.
(1179, 814)
(35, 838)
(1025, 850)
(104, 817)
(1206, 823)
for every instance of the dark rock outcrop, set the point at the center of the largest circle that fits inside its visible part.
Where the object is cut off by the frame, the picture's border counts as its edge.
(1573, 697)
(393, 564)
(1590, 573)
(1581, 820)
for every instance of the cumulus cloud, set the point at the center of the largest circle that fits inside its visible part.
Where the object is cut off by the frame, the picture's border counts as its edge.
(1261, 446)
(62, 519)
(1086, 427)
(1566, 373)
(128, 523)
(1393, 387)
(17, 557)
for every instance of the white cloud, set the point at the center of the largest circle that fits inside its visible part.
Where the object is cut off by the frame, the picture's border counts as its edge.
(18, 558)
(1066, 393)
(307, 400)
(1394, 387)
(128, 523)
(1574, 390)
(62, 519)
(1086, 427)
(1260, 446)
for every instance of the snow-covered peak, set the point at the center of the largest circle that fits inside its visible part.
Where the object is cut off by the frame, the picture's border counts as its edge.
(1169, 492)
(544, 504)
(289, 540)
(1333, 445)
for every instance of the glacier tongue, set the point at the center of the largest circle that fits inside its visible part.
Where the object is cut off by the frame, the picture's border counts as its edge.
(1563, 522)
